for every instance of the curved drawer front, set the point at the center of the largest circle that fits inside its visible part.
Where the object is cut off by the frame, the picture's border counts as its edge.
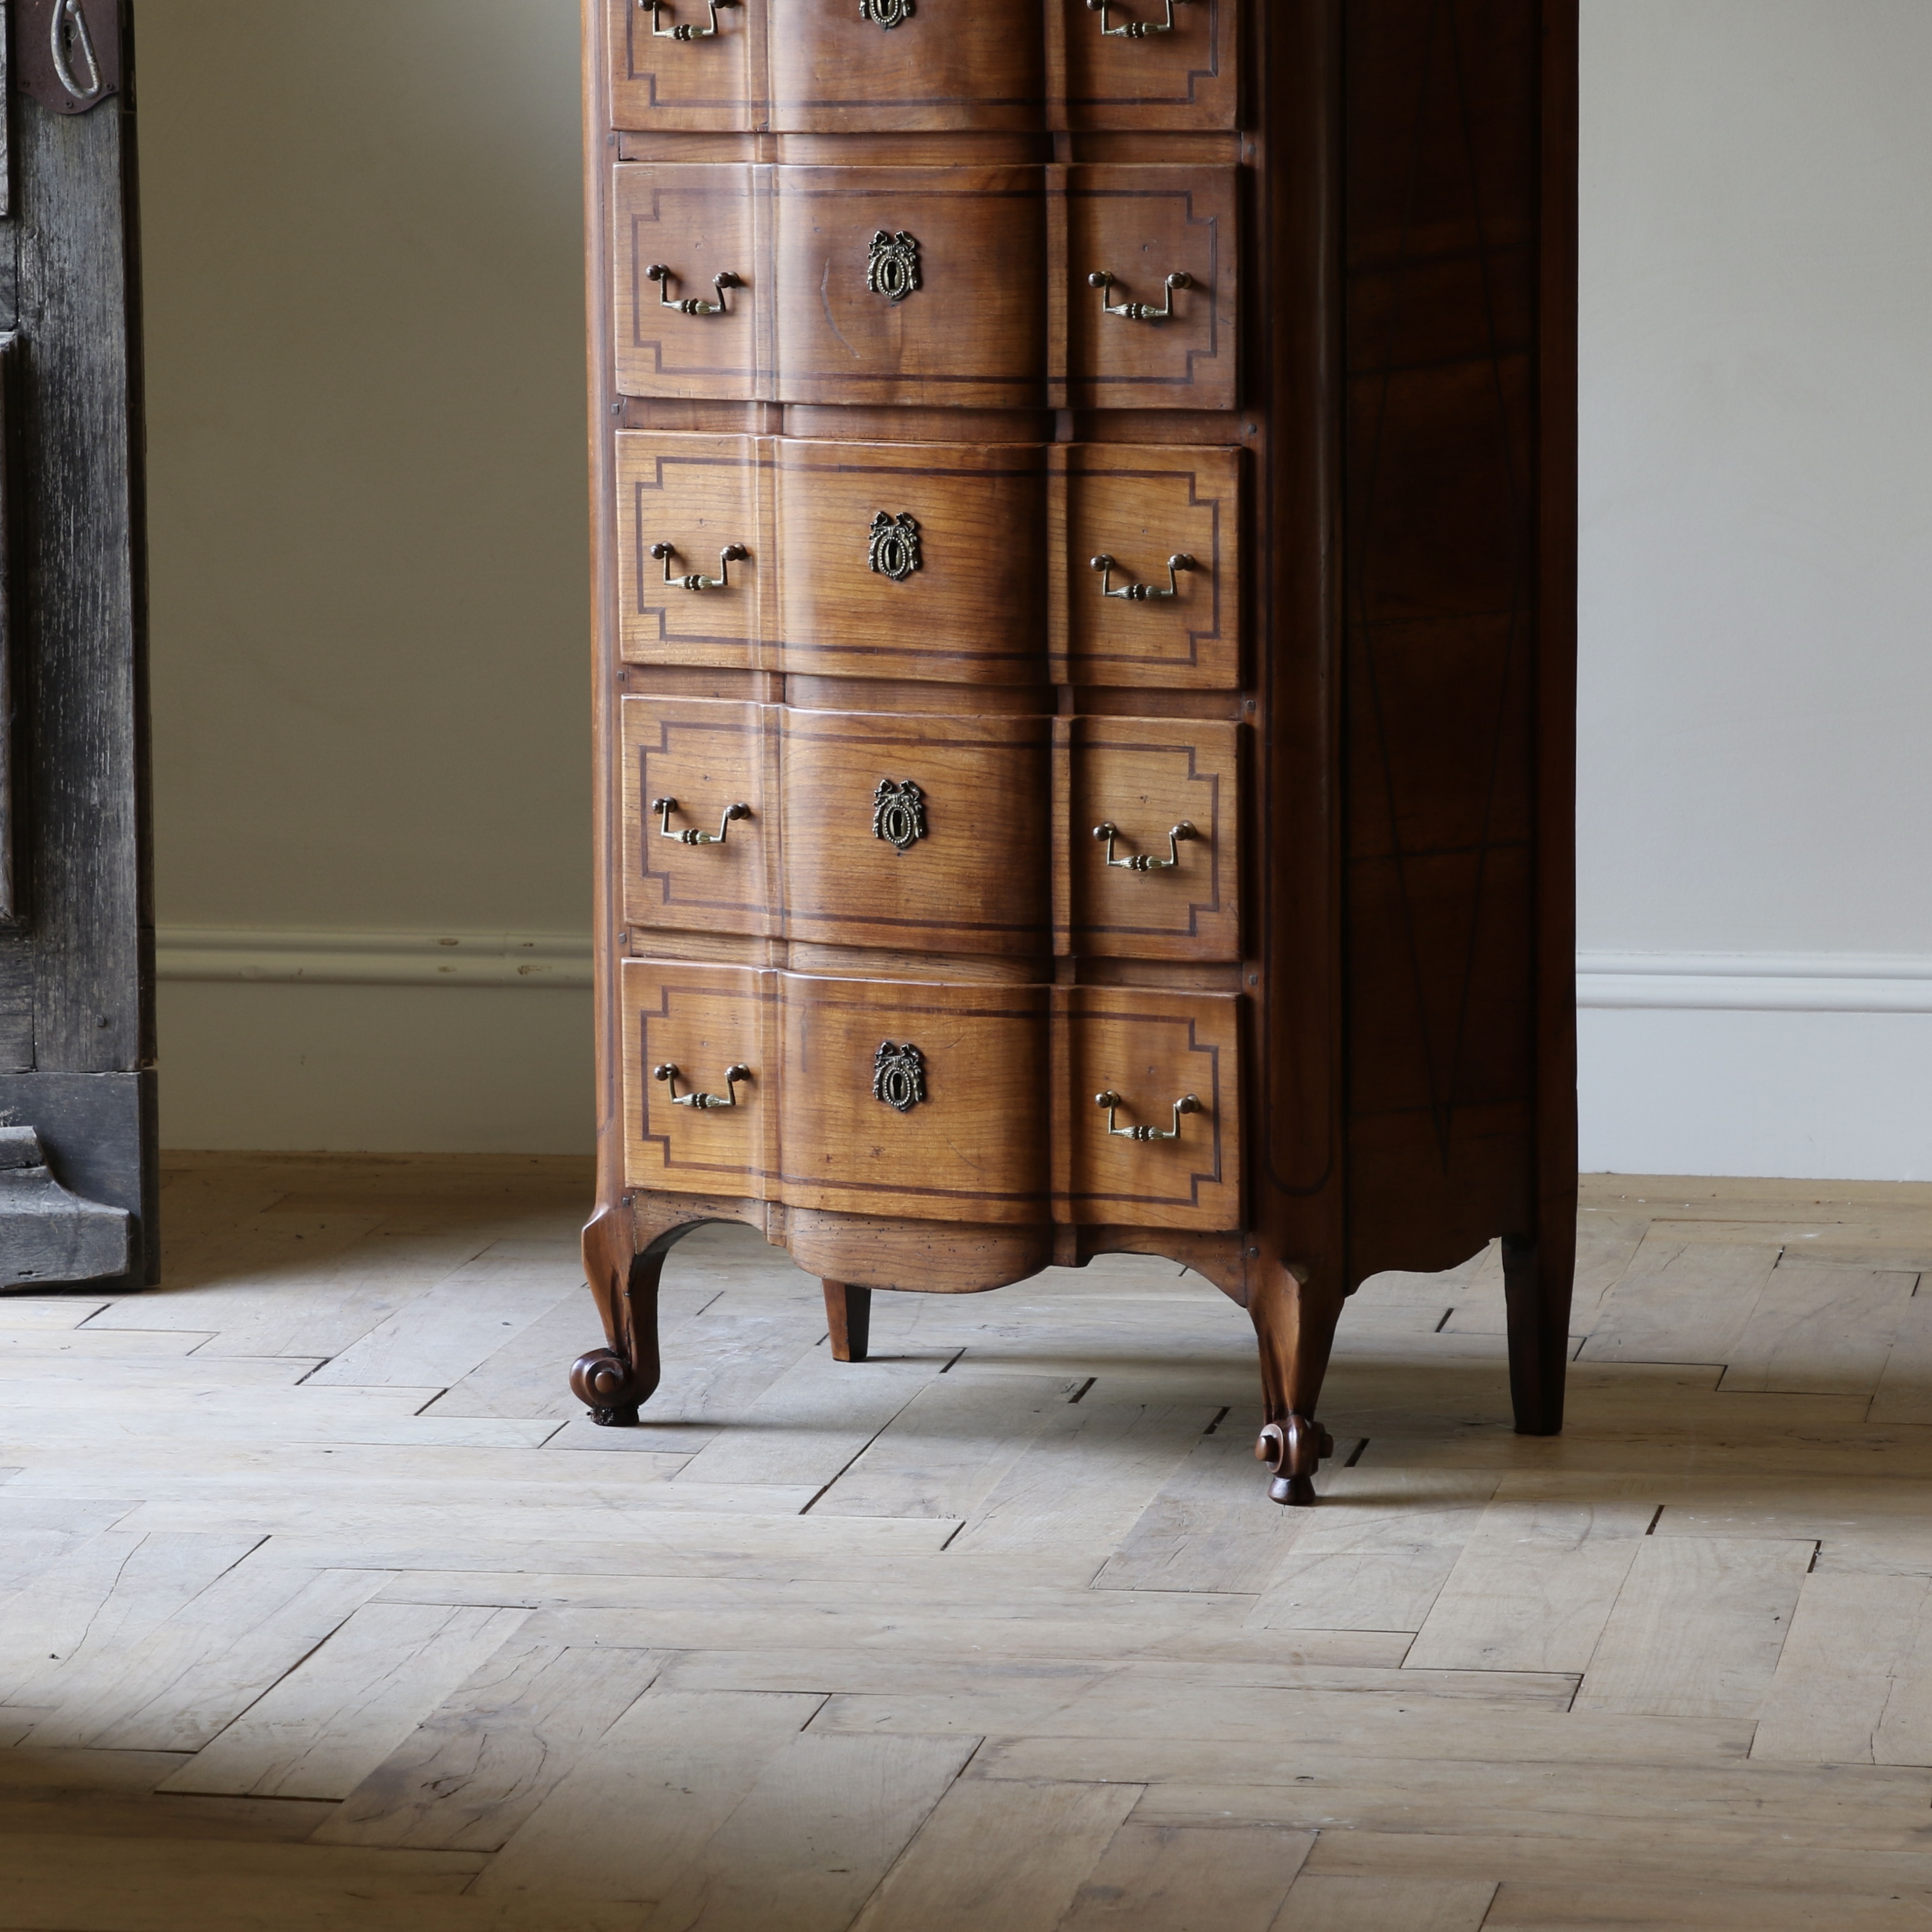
(912, 560)
(930, 832)
(700, 845)
(915, 286)
(883, 65)
(704, 1022)
(685, 503)
(1144, 1051)
(1180, 74)
(1147, 566)
(1164, 882)
(1142, 227)
(904, 1099)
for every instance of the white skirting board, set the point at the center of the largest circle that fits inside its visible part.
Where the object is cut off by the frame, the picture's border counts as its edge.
(1809, 1066)
(1804, 1066)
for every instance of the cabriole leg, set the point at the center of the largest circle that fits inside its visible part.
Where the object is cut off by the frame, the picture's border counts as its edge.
(611, 1382)
(1294, 1324)
(848, 1313)
(1537, 1280)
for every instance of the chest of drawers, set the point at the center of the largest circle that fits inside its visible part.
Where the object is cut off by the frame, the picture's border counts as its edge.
(1084, 549)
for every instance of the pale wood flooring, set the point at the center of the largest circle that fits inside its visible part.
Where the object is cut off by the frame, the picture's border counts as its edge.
(321, 1605)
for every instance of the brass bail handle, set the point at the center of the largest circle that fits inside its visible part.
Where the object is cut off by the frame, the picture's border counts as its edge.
(1112, 1102)
(660, 31)
(1138, 311)
(664, 807)
(690, 305)
(1145, 862)
(1130, 30)
(1138, 593)
(704, 1103)
(730, 554)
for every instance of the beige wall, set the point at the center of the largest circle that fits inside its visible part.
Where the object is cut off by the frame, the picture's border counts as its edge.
(362, 227)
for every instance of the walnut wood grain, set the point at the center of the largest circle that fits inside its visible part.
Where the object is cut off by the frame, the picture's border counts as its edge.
(1152, 1048)
(848, 1318)
(1141, 224)
(974, 1149)
(715, 83)
(971, 336)
(702, 495)
(975, 881)
(702, 1020)
(708, 757)
(1147, 775)
(1186, 78)
(1141, 506)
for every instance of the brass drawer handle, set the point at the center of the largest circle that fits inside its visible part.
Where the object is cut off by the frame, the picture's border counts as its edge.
(664, 807)
(1186, 1104)
(1139, 311)
(1130, 30)
(730, 554)
(691, 305)
(1144, 861)
(660, 31)
(704, 1103)
(1138, 593)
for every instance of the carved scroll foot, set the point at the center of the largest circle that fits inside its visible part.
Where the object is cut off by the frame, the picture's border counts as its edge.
(611, 1382)
(848, 1314)
(1294, 1450)
(603, 1382)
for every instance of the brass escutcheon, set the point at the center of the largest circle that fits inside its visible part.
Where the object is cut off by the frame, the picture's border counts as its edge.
(892, 545)
(1112, 1102)
(664, 276)
(660, 31)
(1145, 862)
(1130, 30)
(704, 1103)
(899, 813)
(892, 268)
(898, 1075)
(730, 554)
(1138, 311)
(889, 13)
(1139, 593)
(664, 807)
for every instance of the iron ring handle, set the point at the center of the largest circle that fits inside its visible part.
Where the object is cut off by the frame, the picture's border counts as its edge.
(1139, 311)
(690, 305)
(1139, 593)
(704, 1103)
(1145, 862)
(660, 31)
(1112, 1102)
(730, 554)
(1131, 30)
(664, 807)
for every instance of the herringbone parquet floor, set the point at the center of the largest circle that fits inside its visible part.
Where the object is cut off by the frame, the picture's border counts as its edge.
(321, 1605)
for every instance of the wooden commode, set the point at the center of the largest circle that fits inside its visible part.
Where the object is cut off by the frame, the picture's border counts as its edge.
(1085, 534)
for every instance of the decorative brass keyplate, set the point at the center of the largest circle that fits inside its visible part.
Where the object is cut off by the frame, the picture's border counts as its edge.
(893, 269)
(899, 813)
(892, 545)
(889, 13)
(898, 1075)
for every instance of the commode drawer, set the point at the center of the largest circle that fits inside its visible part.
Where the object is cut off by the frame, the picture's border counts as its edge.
(1144, 287)
(1149, 810)
(1147, 566)
(1151, 1132)
(885, 286)
(860, 65)
(1179, 71)
(700, 1099)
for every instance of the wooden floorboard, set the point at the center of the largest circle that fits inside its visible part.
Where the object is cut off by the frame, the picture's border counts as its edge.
(324, 1605)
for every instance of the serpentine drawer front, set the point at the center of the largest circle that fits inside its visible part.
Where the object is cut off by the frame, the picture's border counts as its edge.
(879, 65)
(931, 1101)
(961, 287)
(964, 563)
(1085, 572)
